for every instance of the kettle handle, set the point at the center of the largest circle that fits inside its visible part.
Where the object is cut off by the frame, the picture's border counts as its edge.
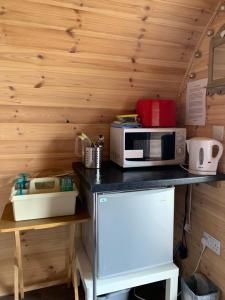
(188, 145)
(220, 152)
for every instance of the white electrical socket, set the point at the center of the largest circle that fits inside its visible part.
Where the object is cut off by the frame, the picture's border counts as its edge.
(211, 243)
(187, 228)
(218, 132)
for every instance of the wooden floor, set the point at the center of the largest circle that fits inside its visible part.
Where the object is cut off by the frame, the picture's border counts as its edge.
(154, 291)
(53, 293)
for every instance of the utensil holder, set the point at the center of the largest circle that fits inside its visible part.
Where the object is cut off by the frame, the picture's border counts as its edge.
(93, 157)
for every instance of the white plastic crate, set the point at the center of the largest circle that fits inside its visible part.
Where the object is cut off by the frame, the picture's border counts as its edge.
(42, 203)
(198, 287)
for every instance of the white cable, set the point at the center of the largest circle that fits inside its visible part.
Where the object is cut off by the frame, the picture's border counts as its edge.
(190, 204)
(183, 167)
(187, 226)
(138, 297)
(200, 257)
(64, 174)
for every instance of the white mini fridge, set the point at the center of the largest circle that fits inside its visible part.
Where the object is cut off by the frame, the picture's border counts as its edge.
(134, 230)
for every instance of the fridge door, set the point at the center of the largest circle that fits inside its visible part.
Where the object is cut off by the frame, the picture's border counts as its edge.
(135, 230)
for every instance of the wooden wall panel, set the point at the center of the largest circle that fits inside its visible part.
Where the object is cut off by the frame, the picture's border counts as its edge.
(70, 66)
(208, 206)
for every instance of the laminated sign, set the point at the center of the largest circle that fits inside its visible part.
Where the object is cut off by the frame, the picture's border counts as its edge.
(196, 102)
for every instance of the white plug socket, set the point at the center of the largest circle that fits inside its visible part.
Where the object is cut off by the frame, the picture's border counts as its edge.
(211, 243)
(187, 228)
(204, 242)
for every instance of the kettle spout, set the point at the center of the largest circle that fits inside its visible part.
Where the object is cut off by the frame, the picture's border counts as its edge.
(188, 145)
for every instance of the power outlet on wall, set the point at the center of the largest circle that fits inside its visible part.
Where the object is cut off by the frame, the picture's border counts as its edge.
(211, 243)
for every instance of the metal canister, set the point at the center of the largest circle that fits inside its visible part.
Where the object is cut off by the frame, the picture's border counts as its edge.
(93, 157)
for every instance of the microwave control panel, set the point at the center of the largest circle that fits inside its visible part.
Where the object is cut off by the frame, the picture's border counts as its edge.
(180, 143)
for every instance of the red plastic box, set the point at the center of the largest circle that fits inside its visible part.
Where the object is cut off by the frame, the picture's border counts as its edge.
(156, 113)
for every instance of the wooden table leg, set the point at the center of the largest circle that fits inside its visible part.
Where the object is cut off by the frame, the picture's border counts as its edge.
(71, 260)
(74, 274)
(16, 281)
(19, 272)
(70, 253)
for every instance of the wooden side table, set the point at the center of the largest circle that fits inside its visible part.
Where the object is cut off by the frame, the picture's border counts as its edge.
(7, 224)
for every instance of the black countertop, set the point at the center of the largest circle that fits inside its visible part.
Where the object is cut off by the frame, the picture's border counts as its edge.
(113, 178)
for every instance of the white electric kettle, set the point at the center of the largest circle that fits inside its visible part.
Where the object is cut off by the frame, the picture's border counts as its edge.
(201, 155)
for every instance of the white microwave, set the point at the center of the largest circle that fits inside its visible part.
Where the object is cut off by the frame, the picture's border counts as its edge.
(144, 147)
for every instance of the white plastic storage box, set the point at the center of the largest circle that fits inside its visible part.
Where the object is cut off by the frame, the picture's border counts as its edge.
(198, 287)
(39, 202)
(120, 295)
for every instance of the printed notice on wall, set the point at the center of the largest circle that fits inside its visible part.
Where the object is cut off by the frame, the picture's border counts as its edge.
(196, 102)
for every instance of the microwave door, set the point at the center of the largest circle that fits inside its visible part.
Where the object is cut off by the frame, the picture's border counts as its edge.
(137, 146)
(168, 147)
(155, 150)
(150, 146)
(162, 146)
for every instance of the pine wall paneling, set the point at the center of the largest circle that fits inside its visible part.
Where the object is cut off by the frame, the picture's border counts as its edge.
(208, 206)
(70, 66)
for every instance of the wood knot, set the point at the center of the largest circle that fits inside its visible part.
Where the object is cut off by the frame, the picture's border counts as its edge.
(133, 60)
(70, 32)
(73, 49)
(39, 85)
(140, 36)
(40, 56)
(144, 18)
(3, 10)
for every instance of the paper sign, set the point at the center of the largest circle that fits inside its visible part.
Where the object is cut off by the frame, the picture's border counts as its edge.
(196, 102)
